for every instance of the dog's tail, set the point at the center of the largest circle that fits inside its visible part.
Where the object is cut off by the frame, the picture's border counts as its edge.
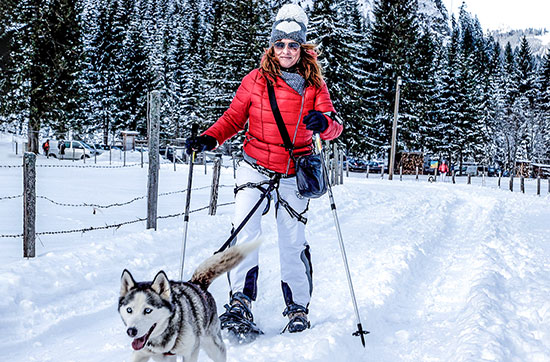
(221, 263)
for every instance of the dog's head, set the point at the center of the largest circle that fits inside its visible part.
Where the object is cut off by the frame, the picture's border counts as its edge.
(145, 307)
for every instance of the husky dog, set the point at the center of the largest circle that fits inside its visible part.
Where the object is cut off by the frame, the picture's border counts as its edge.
(168, 319)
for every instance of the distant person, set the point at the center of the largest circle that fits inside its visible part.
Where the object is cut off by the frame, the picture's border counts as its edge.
(443, 169)
(62, 148)
(46, 148)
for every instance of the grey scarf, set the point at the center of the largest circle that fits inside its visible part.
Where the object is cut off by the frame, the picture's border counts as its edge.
(295, 81)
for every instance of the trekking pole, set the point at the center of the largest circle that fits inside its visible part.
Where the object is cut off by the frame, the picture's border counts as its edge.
(194, 130)
(360, 332)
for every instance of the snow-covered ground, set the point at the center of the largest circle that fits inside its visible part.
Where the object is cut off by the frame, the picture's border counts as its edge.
(441, 272)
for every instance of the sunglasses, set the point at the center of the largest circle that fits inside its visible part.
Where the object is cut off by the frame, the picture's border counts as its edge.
(292, 46)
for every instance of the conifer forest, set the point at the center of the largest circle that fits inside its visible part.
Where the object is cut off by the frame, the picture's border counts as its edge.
(85, 67)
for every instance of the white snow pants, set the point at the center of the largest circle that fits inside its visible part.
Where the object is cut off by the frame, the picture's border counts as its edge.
(294, 256)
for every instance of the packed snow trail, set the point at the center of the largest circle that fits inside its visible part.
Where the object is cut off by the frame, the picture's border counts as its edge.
(441, 272)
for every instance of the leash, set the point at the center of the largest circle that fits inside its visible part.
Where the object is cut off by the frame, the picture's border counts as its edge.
(271, 185)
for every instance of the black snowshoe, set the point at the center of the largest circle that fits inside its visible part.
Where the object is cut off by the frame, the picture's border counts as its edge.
(238, 320)
(297, 316)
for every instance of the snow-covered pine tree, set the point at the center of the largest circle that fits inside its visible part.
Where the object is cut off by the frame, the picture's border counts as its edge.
(494, 104)
(135, 74)
(240, 33)
(524, 106)
(426, 72)
(542, 153)
(445, 132)
(340, 32)
(471, 62)
(186, 61)
(54, 65)
(13, 60)
(103, 74)
(392, 39)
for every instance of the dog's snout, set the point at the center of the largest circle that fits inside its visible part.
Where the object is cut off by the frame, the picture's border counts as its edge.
(132, 332)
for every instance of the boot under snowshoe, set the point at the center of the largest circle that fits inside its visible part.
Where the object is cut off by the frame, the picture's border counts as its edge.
(238, 320)
(297, 316)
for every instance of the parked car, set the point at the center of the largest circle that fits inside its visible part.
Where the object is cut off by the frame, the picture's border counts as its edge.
(375, 166)
(357, 164)
(71, 150)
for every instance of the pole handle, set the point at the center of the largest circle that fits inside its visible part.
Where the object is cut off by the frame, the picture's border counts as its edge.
(317, 142)
(194, 132)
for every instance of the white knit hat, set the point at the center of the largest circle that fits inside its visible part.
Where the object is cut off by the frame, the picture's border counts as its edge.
(290, 23)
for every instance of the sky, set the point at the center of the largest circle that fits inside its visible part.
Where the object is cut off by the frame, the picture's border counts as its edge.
(504, 14)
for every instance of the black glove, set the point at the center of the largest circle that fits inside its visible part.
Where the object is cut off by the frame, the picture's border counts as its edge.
(200, 143)
(316, 121)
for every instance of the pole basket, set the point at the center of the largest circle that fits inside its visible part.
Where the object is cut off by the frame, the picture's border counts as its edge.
(361, 333)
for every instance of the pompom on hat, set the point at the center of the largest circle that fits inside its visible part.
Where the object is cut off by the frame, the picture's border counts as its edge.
(290, 23)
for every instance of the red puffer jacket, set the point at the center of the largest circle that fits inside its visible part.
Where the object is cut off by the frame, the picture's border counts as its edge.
(263, 139)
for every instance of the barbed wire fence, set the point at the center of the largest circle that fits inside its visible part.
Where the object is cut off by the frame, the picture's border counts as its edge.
(32, 157)
(29, 202)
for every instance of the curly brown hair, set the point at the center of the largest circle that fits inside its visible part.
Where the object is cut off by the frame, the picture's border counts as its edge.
(307, 66)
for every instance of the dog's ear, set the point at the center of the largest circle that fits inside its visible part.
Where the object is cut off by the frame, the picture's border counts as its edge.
(127, 282)
(161, 285)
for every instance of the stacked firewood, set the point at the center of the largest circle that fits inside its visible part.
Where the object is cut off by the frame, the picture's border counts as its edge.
(410, 161)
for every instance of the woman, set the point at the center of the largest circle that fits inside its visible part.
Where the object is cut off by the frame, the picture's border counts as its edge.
(302, 96)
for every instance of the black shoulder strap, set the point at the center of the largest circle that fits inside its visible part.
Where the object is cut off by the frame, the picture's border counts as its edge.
(278, 118)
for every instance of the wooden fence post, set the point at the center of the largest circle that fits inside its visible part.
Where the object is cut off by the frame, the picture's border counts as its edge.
(469, 178)
(334, 164)
(401, 173)
(204, 161)
(215, 185)
(538, 185)
(454, 176)
(382, 172)
(416, 173)
(522, 184)
(153, 180)
(499, 176)
(341, 168)
(173, 156)
(511, 182)
(234, 165)
(368, 170)
(29, 204)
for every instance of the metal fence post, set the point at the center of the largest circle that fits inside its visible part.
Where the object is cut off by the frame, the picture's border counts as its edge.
(29, 204)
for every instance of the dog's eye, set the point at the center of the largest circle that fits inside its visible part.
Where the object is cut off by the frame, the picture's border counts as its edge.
(129, 310)
(147, 310)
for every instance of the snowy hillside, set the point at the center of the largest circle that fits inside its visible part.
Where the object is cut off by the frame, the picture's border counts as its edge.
(539, 39)
(442, 272)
